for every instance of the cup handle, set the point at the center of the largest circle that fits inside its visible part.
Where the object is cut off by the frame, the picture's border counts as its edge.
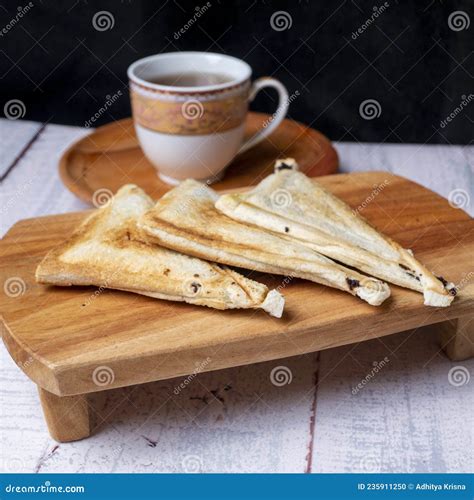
(277, 117)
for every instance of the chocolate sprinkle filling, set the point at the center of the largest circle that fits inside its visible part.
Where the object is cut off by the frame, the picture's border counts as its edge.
(284, 166)
(442, 280)
(287, 229)
(452, 291)
(352, 283)
(195, 287)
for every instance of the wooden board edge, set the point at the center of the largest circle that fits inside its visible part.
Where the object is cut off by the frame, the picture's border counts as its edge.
(341, 175)
(34, 367)
(21, 222)
(75, 379)
(64, 176)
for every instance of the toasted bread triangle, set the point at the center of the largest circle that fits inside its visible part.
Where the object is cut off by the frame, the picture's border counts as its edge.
(108, 251)
(301, 210)
(185, 219)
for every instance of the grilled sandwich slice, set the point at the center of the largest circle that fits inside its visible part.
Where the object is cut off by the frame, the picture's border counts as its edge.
(185, 219)
(107, 251)
(301, 210)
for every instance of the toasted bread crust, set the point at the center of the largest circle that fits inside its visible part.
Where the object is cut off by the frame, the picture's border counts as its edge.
(206, 233)
(108, 251)
(316, 218)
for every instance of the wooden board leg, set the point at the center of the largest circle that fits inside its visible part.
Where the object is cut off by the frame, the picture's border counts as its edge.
(67, 417)
(457, 338)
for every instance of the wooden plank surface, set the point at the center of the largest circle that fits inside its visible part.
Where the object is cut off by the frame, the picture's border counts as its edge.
(406, 418)
(72, 334)
(17, 137)
(33, 185)
(276, 433)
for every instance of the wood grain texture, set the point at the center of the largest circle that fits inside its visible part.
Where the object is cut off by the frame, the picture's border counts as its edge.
(457, 338)
(74, 334)
(111, 157)
(67, 417)
(407, 417)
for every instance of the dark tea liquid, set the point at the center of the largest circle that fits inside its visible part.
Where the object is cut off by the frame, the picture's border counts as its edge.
(191, 79)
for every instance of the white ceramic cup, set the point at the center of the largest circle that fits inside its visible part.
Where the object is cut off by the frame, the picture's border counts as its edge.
(196, 131)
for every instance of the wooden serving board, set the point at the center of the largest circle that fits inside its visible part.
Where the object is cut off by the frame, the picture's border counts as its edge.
(111, 156)
(60, 337)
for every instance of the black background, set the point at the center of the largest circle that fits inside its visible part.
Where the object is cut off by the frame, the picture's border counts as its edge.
(409, 60)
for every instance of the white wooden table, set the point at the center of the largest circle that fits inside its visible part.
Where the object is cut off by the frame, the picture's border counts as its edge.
(408, 418)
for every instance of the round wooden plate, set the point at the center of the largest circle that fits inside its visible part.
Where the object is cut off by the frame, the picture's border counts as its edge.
(111, 156)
